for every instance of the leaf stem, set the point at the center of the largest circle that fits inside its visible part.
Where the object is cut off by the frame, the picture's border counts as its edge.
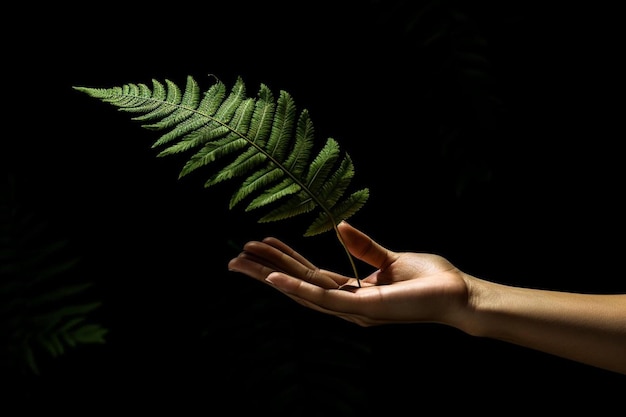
(350, 257)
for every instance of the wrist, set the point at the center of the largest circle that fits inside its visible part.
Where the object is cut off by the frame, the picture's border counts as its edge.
(482, 298)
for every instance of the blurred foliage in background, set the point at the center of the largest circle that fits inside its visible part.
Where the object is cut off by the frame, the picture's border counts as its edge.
(45, 309)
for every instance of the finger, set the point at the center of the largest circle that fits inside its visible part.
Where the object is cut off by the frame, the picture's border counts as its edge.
(250, 265)
(282, 261)
(365, 248)
(341, 303)
(270, 259)
(333, 301)
(361, 320)
(339, 279)
(283, 247)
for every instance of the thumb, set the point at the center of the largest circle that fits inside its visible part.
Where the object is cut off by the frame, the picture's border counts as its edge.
(365, 248)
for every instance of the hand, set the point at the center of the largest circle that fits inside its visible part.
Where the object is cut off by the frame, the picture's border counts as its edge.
(405, 287)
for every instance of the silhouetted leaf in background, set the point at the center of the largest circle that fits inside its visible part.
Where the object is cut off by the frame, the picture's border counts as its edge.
(44, 308)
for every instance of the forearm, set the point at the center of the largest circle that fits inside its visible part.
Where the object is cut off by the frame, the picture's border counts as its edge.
(587, 328)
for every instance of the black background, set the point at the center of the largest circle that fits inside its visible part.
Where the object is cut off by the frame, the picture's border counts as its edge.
(487, 132)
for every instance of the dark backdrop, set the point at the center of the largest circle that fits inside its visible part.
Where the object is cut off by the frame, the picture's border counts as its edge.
(487, 132)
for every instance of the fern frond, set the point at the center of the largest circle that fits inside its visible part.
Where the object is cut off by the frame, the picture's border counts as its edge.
(39, 309)
(270, 146)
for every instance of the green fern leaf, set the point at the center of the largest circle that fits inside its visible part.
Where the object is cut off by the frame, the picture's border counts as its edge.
(89, 333)
(269, 144)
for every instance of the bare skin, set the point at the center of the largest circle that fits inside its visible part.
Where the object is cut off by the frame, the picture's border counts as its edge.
(409, 287)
